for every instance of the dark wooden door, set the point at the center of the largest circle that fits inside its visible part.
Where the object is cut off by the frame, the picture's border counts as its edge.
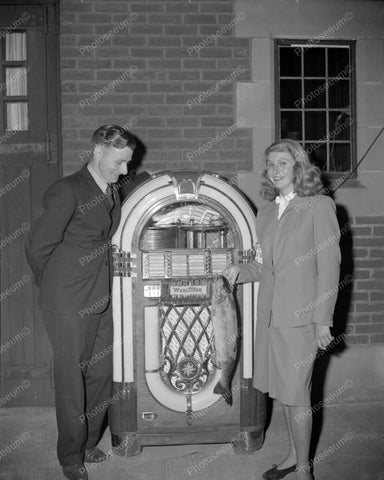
(29, 163)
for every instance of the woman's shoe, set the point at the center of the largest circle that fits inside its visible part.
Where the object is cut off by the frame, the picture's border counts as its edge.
(275, 474)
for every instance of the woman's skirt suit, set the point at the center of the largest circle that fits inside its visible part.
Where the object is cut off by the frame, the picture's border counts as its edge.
(299, 281)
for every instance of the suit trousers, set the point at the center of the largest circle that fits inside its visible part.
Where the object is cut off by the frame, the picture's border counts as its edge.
(82, 349)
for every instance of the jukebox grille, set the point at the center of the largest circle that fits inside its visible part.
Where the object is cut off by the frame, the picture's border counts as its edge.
(186, 335)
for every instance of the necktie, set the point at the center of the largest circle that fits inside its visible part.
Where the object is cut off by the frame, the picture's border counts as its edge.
(109, 193)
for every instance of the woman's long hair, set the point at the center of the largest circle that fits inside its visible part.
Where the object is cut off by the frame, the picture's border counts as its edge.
(306, 177)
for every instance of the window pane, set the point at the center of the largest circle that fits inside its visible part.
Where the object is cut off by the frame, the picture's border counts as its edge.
(338, 59)
(290, 93)
(314, 62)
(315, 125)
(317, 154)
(340, 157)
(339, 126)
(291, 125)
(17, 116)
(290, 62)
(314, 94)
(16, 81)
(339, 94)
(15, 46)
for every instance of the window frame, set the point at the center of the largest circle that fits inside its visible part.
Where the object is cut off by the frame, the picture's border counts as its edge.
(351, 44)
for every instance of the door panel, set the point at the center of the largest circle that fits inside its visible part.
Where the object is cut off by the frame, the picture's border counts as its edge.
(29, 163)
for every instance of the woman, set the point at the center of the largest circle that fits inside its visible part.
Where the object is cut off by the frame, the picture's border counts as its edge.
(299, 237)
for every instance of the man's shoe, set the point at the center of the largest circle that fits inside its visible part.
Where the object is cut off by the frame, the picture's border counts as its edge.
(275, 474)
(75, 472)
(94, 455)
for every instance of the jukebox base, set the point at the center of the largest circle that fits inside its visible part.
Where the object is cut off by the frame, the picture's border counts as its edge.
(243, 441)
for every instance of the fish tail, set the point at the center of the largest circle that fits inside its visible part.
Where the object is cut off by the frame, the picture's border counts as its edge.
(224, 392)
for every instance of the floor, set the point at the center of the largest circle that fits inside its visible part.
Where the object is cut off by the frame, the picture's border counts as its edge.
(350, 447)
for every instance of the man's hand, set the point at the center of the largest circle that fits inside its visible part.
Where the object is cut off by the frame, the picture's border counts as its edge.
(323, 336)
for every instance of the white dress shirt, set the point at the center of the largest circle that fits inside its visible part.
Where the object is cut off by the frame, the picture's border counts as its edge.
(282, 201)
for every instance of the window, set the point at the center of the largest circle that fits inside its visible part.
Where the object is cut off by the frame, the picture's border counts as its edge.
(315, 101)
(13, 84)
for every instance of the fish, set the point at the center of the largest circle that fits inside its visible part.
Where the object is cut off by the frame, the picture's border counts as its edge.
(224, 320)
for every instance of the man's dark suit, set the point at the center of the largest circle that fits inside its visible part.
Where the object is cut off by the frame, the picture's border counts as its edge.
(70, 254)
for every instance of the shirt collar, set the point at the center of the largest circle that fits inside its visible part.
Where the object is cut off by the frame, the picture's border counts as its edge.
(101, 182)
(286, 198)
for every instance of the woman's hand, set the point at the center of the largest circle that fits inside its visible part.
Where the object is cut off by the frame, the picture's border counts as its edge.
(231, 274)
(323, 336)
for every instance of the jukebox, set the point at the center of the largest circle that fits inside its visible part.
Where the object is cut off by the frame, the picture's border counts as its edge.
(178, 232)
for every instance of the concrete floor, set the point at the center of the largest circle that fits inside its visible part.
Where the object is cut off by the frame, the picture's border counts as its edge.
(350, 447)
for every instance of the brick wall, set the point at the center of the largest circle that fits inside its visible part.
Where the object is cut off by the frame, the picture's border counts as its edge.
(154, 66)
(366, 317)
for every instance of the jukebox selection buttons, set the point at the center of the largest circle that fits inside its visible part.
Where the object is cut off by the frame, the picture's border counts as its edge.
(152, 291)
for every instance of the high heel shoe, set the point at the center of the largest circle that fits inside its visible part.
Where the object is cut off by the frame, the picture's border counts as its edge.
(275, 474)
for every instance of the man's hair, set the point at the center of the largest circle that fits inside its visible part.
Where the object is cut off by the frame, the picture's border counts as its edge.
(113, 136)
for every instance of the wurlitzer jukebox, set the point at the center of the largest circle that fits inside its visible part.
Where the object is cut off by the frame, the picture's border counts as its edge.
(178, 232)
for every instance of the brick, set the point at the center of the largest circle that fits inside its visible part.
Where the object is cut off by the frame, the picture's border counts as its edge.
(146, 52)
(146, 30)
(128, 41)
(95, 18)
(176, 52)
(148, 98)
(377, 338)
(165, 110)
(164, 64)
(370, 285)
(165, 132)
(362, 231)
(199, 19)
(182, 6)
(178, 98)
(216, 7)
(360, 252)
(165, 87)
(377, 317)
(359, 318)
(129, 86)
(165, 19)
(180, 30)
(67, 17)
(244, 143)
(215, 52)
(106, 75)
(377, 296)
(378, 274)
(184, 76)
(124, 64)
(223, 30)
(234, 155)
(200, 110)
(70, 52)
(369, 263)
(225, 19)
(226, 110)
(134, 111)
(67, 63)
(69, 87)
(369, 242)
(200, 87)
(361, 274)
(112, 7)
(232, 64)
(112, 52)
(358, 339)
(370, 307)
(182, 121)
(94, 63)
(377, 253)
(147, 7)
(199, 63)
(370, 328)
(378, 230)
(234, 42)
(133, 18)
(200, 132)
(164, 41)
(151, 122)
(217, 121)
(99, 110)
(70, 29)
(369, 220)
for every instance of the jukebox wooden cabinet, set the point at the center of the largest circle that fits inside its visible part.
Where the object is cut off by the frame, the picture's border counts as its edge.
(178, 231)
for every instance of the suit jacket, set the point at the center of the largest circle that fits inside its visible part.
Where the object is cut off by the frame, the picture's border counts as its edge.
(69, 249)
(299, 276)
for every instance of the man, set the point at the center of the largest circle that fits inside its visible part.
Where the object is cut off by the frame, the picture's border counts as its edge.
(69, 251)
